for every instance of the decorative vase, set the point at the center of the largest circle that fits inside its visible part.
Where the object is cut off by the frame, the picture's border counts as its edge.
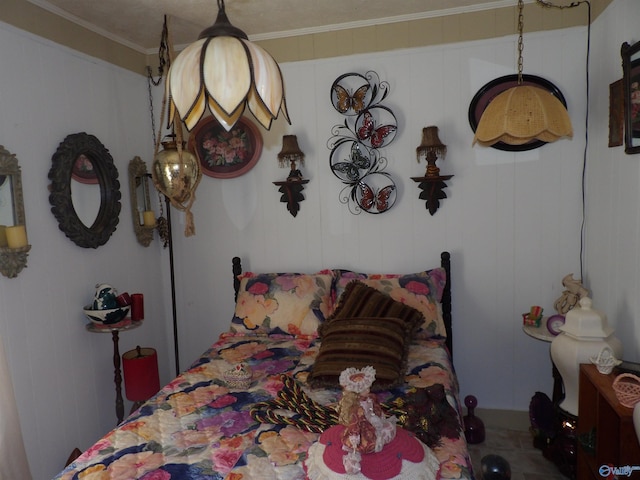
(105, 297)
(584, 334)
(474, 430)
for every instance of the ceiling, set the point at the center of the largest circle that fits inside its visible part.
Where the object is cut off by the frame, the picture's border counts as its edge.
(138, 23)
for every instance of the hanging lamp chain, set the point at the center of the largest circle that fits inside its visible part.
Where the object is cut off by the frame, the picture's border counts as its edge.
(163, 56)
(163, 60)
(520, 41)
(546, 4)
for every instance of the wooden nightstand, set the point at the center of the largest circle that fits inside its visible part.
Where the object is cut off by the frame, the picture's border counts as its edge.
(606, 437)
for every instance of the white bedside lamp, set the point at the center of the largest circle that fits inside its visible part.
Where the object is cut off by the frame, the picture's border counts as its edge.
(584, 334)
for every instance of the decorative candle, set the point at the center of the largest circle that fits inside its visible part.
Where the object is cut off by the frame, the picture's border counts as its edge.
(16, 236)
(3, 236)
(149, 218)
(137, 307)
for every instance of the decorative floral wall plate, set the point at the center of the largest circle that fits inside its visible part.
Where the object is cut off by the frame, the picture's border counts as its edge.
(225, 154)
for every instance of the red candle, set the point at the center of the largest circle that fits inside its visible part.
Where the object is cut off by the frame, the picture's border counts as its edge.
(137, 307)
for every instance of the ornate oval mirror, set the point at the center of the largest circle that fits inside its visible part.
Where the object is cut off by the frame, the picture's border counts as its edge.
(631, 88)
(83, 159)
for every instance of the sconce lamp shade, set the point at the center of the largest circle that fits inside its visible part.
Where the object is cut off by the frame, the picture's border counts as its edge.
(224, 71)
(431, 149)
(141, 379)
(290, 151)
(521, 114)
(431, 143)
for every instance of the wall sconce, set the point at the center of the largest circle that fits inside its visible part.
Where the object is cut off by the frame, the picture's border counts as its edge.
(14, 246)
(432, 184)
(144, 218)
(292, 187)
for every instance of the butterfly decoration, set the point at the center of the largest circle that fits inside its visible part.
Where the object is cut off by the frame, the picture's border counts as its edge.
(356, 162)
(375, 135)
(345, 101)
(378, 200)
(354, 145)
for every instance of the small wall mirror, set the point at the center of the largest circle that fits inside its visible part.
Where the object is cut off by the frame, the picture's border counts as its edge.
(85, 192)
(14, 246)
(144, 219)
(631, 82)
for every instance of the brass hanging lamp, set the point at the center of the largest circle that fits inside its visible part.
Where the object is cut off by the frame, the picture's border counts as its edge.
(175, 171)
(523, 113)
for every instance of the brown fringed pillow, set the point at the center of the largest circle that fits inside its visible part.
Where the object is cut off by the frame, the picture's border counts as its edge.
(380, 342)
(360, 300)
(367, 328)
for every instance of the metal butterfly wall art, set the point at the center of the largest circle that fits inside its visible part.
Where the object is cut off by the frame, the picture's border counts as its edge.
(355, 156)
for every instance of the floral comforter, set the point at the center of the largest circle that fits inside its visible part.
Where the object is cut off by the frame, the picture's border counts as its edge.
(197, 427)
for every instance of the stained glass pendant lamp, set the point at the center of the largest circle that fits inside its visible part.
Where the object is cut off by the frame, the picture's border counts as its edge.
(225, 72)
(523, 113)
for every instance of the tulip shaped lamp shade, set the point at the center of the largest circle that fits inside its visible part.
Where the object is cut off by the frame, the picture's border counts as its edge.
(224, 71)
(141, 379)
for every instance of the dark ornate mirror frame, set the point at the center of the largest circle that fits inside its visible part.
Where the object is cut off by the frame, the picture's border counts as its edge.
(62, 207)
(630, 72)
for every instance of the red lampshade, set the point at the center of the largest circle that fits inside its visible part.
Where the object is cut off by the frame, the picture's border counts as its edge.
(141, 379)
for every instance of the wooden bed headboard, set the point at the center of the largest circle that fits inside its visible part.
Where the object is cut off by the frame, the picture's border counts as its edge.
(445, 262)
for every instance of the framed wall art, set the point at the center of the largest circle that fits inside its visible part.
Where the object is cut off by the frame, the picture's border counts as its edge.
(225, 154)
(631, 96)
(616, 114)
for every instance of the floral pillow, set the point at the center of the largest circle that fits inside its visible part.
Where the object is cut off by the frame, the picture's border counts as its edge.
(422, 291)
(288, 303)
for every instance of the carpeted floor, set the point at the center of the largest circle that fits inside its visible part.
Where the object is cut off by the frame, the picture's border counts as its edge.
(526, 462)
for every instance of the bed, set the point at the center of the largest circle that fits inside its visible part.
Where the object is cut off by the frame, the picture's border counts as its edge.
(252, 405)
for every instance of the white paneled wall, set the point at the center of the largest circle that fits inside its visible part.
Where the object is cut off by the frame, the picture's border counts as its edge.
(511, 220)
(613, 213)
(63, 374)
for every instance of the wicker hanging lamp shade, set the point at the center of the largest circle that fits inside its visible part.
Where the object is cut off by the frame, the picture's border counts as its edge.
(523, 113)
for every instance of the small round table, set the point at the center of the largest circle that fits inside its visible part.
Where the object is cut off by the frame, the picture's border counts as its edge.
(562, 447)
(542, 333)
(115, 329)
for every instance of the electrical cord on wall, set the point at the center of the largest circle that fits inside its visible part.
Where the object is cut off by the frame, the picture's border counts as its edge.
(546, 4)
